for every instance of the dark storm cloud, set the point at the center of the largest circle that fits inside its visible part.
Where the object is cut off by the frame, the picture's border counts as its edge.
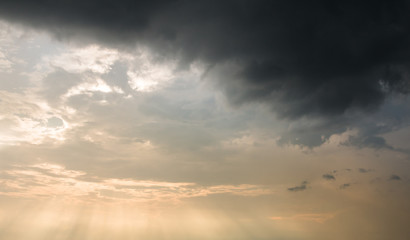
(304, 58)
(301, 187)
(328, 177)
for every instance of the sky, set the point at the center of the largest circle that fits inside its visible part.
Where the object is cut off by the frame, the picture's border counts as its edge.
(153, 120)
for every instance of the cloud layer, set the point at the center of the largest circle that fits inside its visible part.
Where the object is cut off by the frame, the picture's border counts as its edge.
(302, 58)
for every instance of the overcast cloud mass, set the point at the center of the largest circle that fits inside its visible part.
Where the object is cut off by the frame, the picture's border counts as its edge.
(333, 56)
(204, 120)
(328, 61)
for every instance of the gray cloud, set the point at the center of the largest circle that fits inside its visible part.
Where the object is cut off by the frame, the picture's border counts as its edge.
(57, 83)
(328, 177)
(362, 170)
(344, 186)
(301, 187)
(368, 141)
(393, 115)
(395, 177)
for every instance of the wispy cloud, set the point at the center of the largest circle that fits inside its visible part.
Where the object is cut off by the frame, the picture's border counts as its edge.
(49, 180)
(312, 217)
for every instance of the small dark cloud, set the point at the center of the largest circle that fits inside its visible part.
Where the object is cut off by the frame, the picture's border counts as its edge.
(328, 177)
(395, 177)
(344, 186)
(363, 170)
(301, 187)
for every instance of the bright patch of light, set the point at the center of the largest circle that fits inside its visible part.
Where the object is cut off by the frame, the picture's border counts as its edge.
(145, 74)
(23, 120)
(92, 58)
(140, 84)
(89, 87)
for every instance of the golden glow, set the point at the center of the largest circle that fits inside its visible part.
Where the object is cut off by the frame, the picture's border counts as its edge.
(45, 179)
